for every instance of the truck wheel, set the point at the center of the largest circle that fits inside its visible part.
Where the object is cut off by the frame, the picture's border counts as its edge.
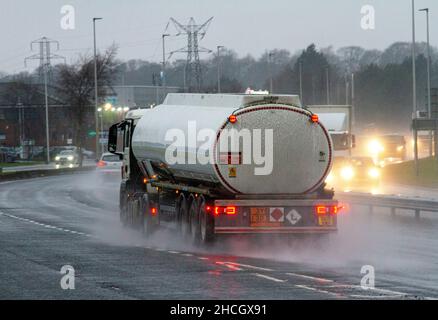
(184, 217)
(123, 208)
(136, 214)
(148, 227)
(195, 229)
(206, 222)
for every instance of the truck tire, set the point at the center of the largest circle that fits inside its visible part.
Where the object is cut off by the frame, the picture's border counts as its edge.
(123, 206)
(184, 223)
(148, 227)
(195, 228)
(206, 222)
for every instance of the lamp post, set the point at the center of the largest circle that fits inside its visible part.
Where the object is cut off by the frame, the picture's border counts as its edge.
(271, 81)
(96, 113)
(219, 69)
(301, 82)
(429, 110)
(327, 78)
(414, 89)
(163, 37)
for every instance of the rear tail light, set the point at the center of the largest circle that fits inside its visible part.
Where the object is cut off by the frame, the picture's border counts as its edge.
(324, 210)
(153, 211)
(229, 211)
(101, 164)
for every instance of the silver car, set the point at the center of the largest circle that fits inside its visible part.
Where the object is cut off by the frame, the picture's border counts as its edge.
(109, 165)
(67, 159)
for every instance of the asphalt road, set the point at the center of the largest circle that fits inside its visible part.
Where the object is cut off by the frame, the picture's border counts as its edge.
(47, 223)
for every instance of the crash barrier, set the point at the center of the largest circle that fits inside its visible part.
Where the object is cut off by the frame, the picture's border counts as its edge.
(18, 175)
(393, 202)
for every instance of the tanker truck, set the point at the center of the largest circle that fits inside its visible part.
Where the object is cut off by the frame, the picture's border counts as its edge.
(209, 165)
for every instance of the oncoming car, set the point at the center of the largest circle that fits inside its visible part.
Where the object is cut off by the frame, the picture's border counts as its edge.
(67, 158)
(354, 172)
(109, 165)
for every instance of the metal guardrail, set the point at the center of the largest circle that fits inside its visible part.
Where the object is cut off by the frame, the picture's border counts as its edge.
(390, 201)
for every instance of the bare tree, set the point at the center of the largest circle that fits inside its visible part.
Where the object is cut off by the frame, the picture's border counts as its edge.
(76, 83)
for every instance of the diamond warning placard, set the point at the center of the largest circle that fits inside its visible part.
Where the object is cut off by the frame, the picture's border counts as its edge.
(276, 214)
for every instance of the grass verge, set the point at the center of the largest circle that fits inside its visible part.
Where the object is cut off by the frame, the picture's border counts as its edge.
(404, 173)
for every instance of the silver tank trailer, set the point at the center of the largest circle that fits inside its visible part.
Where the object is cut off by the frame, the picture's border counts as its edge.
(296, 160)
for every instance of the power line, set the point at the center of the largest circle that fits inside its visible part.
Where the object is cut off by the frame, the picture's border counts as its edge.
(195, 33)
(45, 57)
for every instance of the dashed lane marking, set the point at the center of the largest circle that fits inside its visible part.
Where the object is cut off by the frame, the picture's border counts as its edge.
(318, 279)
(269, 278)
(187, 255)
(229, 266)
(48, 226)
(248, 266)
(317, 290)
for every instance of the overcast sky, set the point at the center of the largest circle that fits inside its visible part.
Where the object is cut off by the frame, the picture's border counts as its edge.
(246, 26)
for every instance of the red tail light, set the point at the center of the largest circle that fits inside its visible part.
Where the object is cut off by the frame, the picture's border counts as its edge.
(101, 164)
(229, 211)
(323, 210)
(154, 211)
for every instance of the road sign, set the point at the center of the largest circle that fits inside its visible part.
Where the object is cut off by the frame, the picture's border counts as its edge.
(112, 100)
(425, 124)
(91, 133)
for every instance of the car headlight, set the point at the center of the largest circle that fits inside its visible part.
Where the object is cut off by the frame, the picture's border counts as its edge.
(70, 158)
(347, 173)
(374, 173)
(375, 147)
(57, 158)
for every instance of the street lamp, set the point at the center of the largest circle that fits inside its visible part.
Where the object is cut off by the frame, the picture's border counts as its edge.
(219, 69)
(95, 88)
(164, 64)
(429, 110)
(271, 84)
(414, 90)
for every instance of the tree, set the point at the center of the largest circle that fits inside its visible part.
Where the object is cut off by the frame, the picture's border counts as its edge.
(76, 83)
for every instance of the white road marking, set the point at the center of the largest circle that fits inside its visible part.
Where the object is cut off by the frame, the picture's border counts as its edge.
(360, 296)
(379, 290)
(188, 255)
(173, 252)
(202, 258)
(248, 266)
(317, 290)
(268, 277)
(48, 226)
(309, 277)
(229, 266)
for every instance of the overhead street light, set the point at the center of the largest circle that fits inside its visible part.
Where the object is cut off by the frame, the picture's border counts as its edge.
(429, 103)
(96, 113)
(219, 69)
(163, 37)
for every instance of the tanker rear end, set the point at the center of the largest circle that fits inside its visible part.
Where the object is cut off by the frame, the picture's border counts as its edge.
(211, 165)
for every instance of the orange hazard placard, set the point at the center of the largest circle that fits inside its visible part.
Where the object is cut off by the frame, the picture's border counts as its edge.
(232, 172)
(260, 218)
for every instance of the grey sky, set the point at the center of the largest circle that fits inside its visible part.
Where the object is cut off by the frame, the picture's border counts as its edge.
(242, 25)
